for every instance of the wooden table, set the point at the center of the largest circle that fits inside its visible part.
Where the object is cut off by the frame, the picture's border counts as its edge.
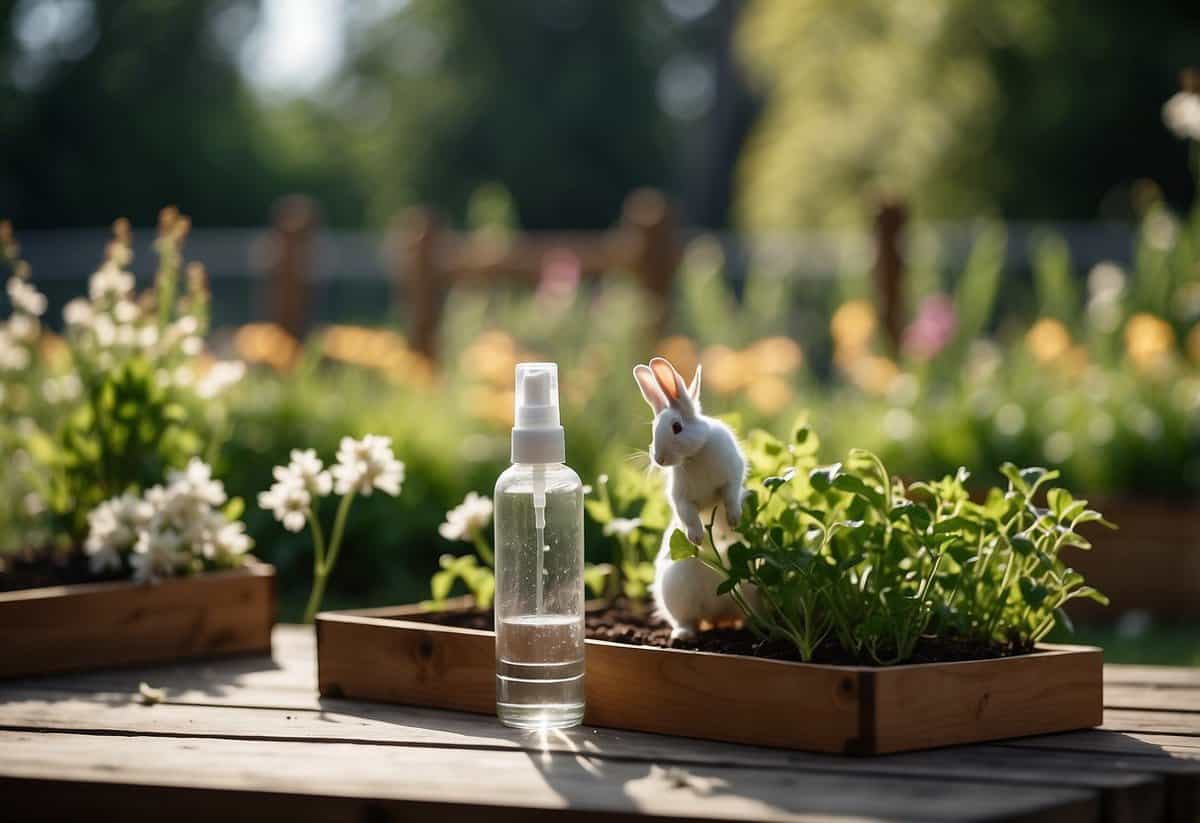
(249, 738)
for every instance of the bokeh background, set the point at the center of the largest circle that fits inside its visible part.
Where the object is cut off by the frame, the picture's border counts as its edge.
(957, 233)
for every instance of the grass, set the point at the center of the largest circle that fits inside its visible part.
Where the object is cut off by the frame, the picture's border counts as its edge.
(1159, 644)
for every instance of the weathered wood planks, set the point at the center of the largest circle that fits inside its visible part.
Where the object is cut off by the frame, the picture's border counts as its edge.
(247, 738)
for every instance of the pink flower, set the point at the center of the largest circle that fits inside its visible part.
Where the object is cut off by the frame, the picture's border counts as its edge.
(933, 328)
(559, 280)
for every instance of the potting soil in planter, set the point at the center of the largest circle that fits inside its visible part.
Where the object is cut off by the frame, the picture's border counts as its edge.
(636, 625)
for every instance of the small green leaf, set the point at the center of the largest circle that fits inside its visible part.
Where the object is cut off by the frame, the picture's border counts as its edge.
(822, 477)
(726, 586)
(1021, 544)
(234, 509)
(681, 547)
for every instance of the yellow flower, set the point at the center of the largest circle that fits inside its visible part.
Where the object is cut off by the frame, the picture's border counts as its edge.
(492, 357)
(1047, 340)
(492, 405)
(774, 355)
(266, 343)
(852, 326)
(769, 395)
(724, 370)
(681, 351)
(1149, 341)
(874, 375)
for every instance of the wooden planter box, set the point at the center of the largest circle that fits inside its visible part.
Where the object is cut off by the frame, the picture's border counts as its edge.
(1151, 563)
(390, 655)
(97, 625)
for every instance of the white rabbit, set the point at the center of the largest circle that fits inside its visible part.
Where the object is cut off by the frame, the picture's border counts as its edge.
(705, 467)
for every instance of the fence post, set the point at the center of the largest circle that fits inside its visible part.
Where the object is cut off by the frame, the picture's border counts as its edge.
(656, 250)
(889, 268)
(293, 252)
(418, 232)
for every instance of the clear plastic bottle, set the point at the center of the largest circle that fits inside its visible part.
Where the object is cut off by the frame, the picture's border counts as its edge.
(539, 566)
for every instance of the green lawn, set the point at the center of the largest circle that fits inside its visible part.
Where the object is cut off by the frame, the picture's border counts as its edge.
(1167, 644)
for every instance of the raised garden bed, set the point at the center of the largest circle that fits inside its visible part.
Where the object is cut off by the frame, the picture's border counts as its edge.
(399, 655)
(96, 625)
(1152, 563)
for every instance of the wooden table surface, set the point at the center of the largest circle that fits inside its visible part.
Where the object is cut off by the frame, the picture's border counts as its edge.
(249, 738)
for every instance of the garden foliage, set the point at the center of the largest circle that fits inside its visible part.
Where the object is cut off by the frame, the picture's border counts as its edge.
(849, 554)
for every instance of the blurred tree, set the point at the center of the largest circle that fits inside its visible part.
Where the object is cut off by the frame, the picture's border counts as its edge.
(552, 99)
(121, 107)
(1029, 109)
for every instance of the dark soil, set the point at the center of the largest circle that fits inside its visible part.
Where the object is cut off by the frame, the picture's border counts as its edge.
(626, 622)
(34, 569)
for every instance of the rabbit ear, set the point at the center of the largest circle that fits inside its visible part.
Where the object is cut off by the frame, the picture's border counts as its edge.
(694, 388)
(672, 385)
(650, 388)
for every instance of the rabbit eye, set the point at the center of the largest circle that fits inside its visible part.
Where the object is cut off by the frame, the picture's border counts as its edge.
(677, 427)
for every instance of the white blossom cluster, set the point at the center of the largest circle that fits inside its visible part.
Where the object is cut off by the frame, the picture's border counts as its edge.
(362, 467)
(20, 333)
(468, 518)
(168, 530)
(1182, 115)
(111, 325)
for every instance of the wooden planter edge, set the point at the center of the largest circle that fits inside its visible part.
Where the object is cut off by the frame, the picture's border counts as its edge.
(376, 654)
(74, 627)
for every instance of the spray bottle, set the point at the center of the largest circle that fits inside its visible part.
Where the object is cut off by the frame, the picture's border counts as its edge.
(539, 566)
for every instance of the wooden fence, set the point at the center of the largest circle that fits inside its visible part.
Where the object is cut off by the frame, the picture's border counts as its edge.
(427, 258)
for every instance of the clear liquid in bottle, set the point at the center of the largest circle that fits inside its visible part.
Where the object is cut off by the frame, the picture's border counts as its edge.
(539, 628)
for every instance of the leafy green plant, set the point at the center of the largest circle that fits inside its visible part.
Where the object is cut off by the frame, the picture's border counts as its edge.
(634, 514)
(847, 552)
(142, 398)
(466, 521)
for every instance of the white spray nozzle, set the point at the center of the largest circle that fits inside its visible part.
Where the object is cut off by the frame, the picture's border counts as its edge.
(537, 434)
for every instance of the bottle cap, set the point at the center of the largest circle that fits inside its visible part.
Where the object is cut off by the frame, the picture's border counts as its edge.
(537, 435)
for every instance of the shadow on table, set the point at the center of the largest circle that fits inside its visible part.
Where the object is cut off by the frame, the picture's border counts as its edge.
(613, 770)
(253, 678)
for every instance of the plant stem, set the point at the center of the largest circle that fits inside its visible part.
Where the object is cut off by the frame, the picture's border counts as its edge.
(483, 549)
(323, 561)
(314, 597)
(339, 526)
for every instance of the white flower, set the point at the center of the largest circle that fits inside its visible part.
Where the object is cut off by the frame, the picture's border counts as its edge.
(467, 518)
(24, 328)
(289, 501)
(78, 313)
(113, 528)
(191, 346)
(367, 464)
(1182, 115)
(196, 483)
(25, 297)
(61, 389)
(306, 470)
(158, 553)
(622, 526)
(213, 537)
(13, 356)
(110, 283)
(126, 311)
(220, 377)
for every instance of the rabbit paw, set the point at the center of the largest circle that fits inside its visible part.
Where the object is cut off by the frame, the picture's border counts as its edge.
(733, 516)
(683, 633)
(695, 533)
